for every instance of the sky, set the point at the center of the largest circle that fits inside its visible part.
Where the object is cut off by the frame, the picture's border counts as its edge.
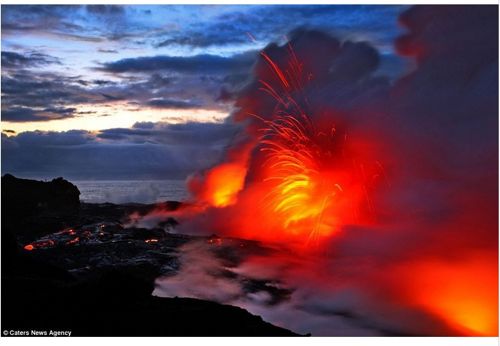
(144, 92)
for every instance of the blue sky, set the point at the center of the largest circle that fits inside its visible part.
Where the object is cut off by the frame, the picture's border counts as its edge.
(94, 70)
(76, 47)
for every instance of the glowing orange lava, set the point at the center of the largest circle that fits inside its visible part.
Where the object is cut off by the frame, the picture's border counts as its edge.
(73, 241)
(299, 189)
(223, 184)
(464, 294)
(305, 168)
(307, 185)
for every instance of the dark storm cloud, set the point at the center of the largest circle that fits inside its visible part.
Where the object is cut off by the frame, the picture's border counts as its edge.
(30, 96)
(173, 104)
(23, 114)
(198, 64)
(40, 89)
(47, 139)
(33, 17)
(110, 51)
(91, 23)
(207, 81)
(167, 91)
(106, 10)
(221, 34)
(20, 114)
(59, 20)
(112, 22)
(342, 74)
(147, 150)
(273, 23)
(38, 96)
(192, 133)
(180, 82)
(27, 60)
(269, 23)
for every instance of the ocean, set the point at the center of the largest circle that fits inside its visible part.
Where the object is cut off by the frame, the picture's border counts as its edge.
(127, 191)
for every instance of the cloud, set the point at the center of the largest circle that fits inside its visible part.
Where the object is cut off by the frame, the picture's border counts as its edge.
(231, 27)
(57, 20)
(22, 114)
(198, 64)
(11, 60)
(219, 34)
(147, 150)
(206, 81)
(106, 10)
(173, 104)
(180, 82)
(91, 23)
(42, 96)
(110, 51)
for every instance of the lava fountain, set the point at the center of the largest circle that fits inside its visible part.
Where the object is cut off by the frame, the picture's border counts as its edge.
(302, 179)
(417, 246)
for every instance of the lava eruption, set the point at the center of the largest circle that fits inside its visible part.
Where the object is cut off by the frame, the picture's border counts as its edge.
(391, 186)
(300, 178)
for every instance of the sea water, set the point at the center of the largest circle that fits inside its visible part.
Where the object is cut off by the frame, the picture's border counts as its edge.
(131, 191)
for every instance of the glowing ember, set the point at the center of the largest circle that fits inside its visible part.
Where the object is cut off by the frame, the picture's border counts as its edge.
(151, 240)
(215, 241)
(41, 244)
(73, 241)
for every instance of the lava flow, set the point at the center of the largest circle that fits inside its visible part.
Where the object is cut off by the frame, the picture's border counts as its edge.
(388, 196)
(301, 179)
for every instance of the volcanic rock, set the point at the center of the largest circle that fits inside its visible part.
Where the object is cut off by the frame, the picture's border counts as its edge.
(73, 266)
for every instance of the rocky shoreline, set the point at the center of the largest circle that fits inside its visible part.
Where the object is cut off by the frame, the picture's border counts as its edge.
(79, 267)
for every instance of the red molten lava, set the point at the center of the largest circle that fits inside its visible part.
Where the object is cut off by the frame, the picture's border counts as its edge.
(73, 241)
(306, 177)
(223, 184)
(41, 244)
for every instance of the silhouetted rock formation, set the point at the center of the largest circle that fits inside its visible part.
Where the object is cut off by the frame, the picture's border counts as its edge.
(88, 273)
(31, 196)
(32, 208)
(118, 303)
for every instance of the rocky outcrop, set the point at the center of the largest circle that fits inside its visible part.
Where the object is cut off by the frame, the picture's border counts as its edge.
(32, 208)
(118, 303)
(78, 267)
(30, 196)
